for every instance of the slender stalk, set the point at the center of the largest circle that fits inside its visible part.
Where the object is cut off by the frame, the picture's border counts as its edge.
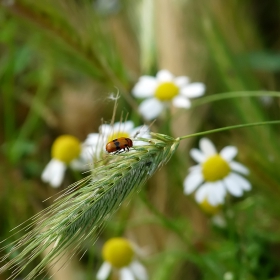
(229, 95)
(228, 128)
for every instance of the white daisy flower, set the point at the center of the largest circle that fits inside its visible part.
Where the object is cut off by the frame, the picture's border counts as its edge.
(162, 88)
(108, 133)
(66, 151)
(119, 255)
(216, 174)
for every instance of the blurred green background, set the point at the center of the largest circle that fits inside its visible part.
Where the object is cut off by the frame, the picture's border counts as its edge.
(59, 62)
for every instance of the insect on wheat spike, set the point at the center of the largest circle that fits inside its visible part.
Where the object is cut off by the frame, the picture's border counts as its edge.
(119, 144)
(79, 213)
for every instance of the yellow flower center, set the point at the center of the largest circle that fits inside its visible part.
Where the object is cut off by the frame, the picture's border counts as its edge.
(215, 168)
(116, 135)
(66, 148)
(208, 208)
(166, 91)
(118, 252)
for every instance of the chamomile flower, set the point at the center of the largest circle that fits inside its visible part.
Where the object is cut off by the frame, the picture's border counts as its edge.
(65, 151)
(216, 174)
(108, 133)
(163, 88)
(119, 256)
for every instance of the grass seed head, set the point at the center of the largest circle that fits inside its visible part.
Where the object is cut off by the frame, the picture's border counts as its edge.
(80, 211)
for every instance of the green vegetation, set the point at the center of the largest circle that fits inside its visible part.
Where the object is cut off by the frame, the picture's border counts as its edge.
(61, 64)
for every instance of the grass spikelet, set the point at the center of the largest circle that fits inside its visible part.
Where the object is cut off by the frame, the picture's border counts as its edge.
(80, 211)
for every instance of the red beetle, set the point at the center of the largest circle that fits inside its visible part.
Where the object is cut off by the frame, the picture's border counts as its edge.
(119, 144)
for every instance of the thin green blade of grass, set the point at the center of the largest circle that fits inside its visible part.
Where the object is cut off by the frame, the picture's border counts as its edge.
(80, 211)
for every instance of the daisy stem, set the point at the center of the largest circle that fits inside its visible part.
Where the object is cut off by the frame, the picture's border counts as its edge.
(167, 124)
(227, 128)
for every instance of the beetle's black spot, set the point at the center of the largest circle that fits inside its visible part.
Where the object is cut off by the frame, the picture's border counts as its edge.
(117, 144)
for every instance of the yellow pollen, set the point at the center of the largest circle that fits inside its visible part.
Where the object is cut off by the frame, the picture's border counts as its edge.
(166, 91)
(116, 135)
(66, 148)
(215, 168)
(208, 208)
(118, 252)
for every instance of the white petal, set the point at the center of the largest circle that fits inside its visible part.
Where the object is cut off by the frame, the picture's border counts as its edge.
(238, 167)
(128, 126)
(123, 127)
(105, 129)
(181, 81)
(195, 168)
(139, 270)
(150, 108)
(88, 153)
(47, 171)
(140, 131)
(180, 101)
(58, 176)
(93, 146)
(207, 147)
(232, 187)
(197, 155)
(202, 193)
(212, 199)
(164, 76)
(147, 78)
(79, 165)
(92, 139)
(193, 90)
(95, 140)
(241, 181)
(220, 192)
(45, 174)
(126, 274)
(192, 181)
(54, 173)
(212, 194)
(228, 153)
(104, 271)
(145, 87)
(139, 143)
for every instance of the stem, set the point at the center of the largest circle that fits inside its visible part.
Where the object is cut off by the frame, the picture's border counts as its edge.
(227, 128)
(228, 95)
